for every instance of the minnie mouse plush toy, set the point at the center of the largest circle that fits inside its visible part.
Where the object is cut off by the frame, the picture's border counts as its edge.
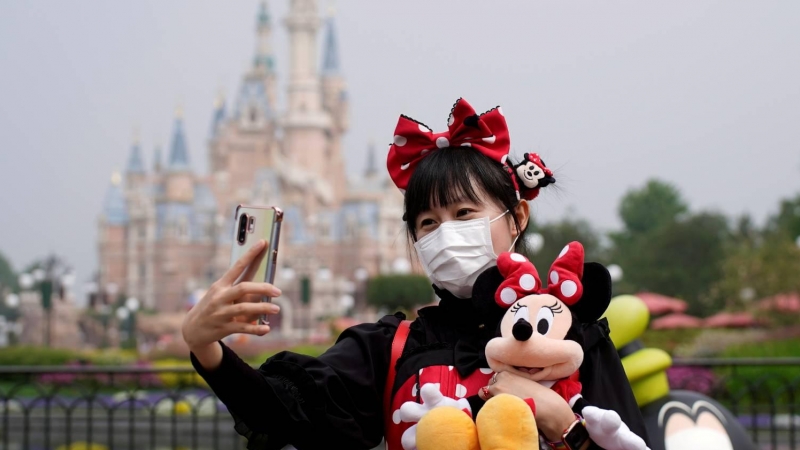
(539, 339)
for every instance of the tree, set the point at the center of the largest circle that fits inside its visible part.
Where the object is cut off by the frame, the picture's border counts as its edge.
(555, 235)
(8, 278)
(665, 249)
(8, 284)
(760, 263)
(399, 292)
(682, 259)
(656, 204)
(787, 221)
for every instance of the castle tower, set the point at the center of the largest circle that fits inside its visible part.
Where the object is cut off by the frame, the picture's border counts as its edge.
(179, 180)
(264, 61)
(307, 124)
(112, 241)
(135, 172)
(137, 206)
(334, 94)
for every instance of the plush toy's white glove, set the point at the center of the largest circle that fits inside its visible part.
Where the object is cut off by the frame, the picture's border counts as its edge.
(608, 431)
(412, 412)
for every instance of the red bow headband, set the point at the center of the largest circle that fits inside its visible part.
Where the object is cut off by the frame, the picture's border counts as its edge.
(487, 133)
(522, 279)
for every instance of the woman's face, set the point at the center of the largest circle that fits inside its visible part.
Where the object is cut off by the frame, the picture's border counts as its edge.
(503, 230)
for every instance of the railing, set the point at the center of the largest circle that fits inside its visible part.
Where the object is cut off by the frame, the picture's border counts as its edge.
(763, 393)
(68, 408)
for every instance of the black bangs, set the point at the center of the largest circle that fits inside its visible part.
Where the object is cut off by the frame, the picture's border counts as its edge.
(453, 174)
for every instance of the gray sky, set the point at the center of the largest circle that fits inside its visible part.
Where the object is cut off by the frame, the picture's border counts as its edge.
(702, 93)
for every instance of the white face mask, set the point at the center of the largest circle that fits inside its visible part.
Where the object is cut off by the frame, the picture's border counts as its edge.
(457, 253)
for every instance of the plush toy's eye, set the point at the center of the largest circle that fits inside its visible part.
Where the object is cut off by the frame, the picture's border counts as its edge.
(544, 320)
(522, 313)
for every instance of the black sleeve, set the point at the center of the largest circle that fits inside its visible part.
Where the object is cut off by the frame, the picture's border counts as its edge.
(605, 384)
(333, 400)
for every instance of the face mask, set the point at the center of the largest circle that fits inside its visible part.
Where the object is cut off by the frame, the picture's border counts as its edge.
(457, 253)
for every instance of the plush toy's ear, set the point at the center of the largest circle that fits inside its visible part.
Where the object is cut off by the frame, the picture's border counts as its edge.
(596, 296)
(483, 292)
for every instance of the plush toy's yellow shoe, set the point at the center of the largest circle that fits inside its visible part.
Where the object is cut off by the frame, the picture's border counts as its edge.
(447, 428)
(506, 423)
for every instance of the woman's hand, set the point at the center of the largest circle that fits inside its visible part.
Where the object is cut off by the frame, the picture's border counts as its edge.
(553, 414)
(226, 309)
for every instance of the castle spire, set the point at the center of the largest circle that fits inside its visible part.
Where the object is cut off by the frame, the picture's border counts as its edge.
(178, 154)
(135, 162)
(264, 59)
(330, 62)
(115, 208)
(219, 113)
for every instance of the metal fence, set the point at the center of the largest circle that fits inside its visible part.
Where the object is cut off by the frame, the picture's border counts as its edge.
(97, 408)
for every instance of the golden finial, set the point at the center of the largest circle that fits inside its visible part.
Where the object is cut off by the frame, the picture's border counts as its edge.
(331, 8)
(219, 100)
(136, 135)
(116, 178)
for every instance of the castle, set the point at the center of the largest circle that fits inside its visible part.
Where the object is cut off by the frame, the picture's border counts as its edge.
(165, 233)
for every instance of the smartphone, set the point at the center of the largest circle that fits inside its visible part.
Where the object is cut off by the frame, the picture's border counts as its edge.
(251, 224)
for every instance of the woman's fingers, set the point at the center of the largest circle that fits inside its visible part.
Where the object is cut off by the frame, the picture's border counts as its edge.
(238, 267)
(250, 298)
(246, 328)
(247, 288)
(248, 309)
(255, 265)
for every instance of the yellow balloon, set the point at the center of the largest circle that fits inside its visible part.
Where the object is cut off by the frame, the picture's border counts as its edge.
(627, 318)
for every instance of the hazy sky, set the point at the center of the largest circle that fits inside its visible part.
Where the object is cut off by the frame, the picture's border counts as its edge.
(701, 93)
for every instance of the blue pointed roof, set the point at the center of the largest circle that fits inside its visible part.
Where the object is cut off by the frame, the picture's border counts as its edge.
(330, 63)
(263, 24)
(115, 208)
(135, 161)
(263, 15)
(178, 153)
(219, 115)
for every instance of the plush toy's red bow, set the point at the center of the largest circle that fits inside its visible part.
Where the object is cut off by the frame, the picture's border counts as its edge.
(522, 279)
(413, 140)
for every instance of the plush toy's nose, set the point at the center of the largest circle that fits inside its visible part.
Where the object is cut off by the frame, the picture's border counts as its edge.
(522, 330)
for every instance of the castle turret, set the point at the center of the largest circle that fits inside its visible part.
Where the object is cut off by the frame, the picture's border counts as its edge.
(179, 180)
(255, 104)
(112, 236)
(135, 172)
(334, 95)
(218, 116)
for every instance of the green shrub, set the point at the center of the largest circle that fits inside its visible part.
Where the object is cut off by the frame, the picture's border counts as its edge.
(766, 383)
(669, 340)
(36, 356)
(399, 292)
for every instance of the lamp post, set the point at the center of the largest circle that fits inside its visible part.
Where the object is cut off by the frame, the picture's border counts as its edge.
(127, 318)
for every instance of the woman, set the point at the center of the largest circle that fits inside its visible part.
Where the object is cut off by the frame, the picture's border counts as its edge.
(463, 207)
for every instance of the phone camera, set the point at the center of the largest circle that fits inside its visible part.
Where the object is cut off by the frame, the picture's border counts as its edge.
(241, 236)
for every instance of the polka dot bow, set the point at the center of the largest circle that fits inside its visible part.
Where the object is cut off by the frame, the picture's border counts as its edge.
(486, 133)
(522, 279)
